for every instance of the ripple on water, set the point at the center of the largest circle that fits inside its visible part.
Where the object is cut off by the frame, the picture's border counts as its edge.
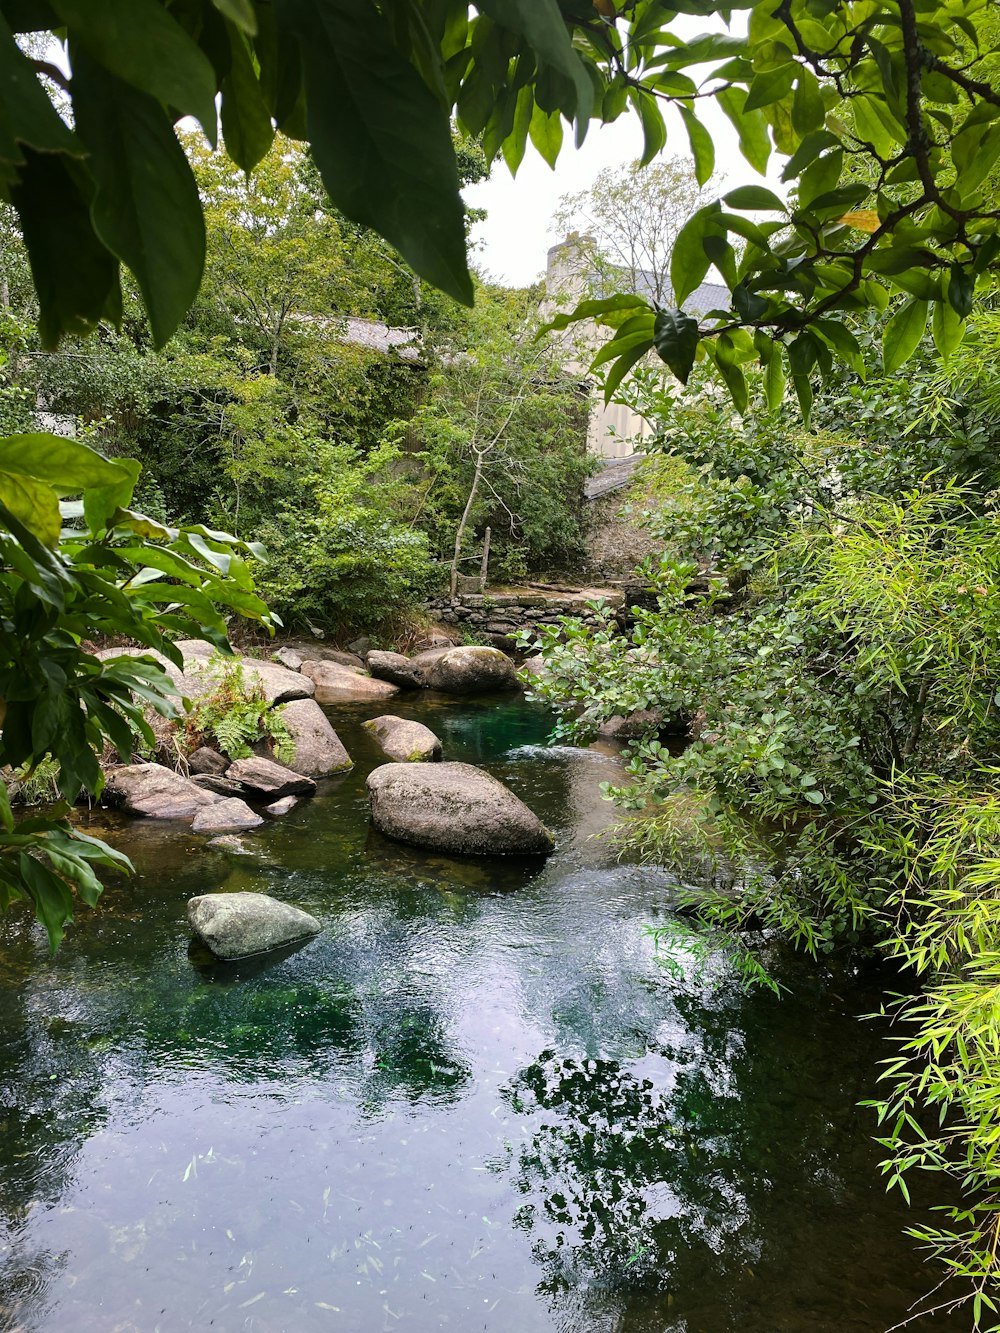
(476, 1101)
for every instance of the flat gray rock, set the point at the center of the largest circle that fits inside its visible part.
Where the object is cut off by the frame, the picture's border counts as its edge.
(237, 925)
(263, 777)
(454, 808)
(405, 741)
(156, 792)
(340, 684)
(318, 749)
(227, 816)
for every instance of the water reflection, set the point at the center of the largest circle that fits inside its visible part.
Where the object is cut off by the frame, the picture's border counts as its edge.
(472, 1102)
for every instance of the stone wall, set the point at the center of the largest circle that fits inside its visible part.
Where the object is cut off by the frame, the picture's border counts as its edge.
(498, 616)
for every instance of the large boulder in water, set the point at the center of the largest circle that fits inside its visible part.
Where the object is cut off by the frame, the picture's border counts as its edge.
(236, 925)
(156, 792)
(318, 748)
(454, 808)
(468, 671)
(405, 741)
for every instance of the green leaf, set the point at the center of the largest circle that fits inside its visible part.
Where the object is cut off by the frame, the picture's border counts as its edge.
(961, 289)
(75, 275)
(595, 309)
(902, 334)
(654, 131)
(774, 380)
(808, 150)
(67, 465)
(34, 503)
(138, 41)
(948, 328)
(675, 338)
(246, 119)
(545, 129)
(754, 197)
(146, 209)
(751, 127)
(622, 366)
(50, 895)
(702, 145)
(240, 12)
(808, 111)
(770, 86)
(101, 502)
(543, 27)
(381, 139)
(735, 382)
(688, 261)
(27, 116)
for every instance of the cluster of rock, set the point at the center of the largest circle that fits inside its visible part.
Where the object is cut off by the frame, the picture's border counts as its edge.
(213, 802)
(417, 799)
(500, 616)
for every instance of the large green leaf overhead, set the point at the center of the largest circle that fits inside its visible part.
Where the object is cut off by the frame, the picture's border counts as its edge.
(381, 139)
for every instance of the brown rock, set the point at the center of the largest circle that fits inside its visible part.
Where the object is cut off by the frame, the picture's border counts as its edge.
(156, 792)
(340, 684)
(263, 777)
(204, 760)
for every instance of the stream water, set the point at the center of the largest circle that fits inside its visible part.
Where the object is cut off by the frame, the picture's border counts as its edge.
(476, 1101)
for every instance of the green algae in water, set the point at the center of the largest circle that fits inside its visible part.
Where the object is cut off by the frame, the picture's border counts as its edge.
(474, 1102)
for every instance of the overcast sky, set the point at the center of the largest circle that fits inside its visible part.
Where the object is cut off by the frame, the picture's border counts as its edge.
(513, 240)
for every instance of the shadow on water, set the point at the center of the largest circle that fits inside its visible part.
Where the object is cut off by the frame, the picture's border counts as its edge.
(474, 1102)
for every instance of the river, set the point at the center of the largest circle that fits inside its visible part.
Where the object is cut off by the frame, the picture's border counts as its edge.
(477, 1101)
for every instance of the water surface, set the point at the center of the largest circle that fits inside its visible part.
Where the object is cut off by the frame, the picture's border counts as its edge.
(476, 1101)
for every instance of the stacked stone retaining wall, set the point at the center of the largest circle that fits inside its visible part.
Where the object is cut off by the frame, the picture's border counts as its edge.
(498, 616)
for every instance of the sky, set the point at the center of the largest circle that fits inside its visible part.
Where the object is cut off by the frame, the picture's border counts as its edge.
(512, 242)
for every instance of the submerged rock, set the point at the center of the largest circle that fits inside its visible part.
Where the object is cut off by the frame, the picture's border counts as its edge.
(403, 740)
(263, 777)
(236, 925)
(227, 816)
(454, 808)
(341, 684)
(318, 749)
(156, 792)
(282, 807)
(470, 671)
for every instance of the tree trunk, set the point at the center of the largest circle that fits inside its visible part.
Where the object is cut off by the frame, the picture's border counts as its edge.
(476, 478)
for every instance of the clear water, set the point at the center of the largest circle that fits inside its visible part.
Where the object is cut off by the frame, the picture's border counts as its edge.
(476, 1101)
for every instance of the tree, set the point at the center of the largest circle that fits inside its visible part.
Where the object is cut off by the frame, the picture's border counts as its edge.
(630, 221)
(276, 256)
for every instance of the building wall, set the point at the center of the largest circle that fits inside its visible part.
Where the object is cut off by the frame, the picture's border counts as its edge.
(613, 429)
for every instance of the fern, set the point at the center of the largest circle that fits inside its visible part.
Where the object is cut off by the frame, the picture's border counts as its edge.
(236, 715)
